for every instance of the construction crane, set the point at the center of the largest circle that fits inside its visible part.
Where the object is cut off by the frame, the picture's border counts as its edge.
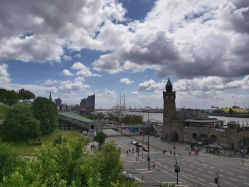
(134, 106)
(130, 106)
(183, 105)
(139, 106)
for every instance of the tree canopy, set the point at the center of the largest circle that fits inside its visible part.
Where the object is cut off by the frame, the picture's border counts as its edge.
(20, 123)
(135, 119)
(46, 112)
(100, 137)
(8, 97)
(25, 94)
(69, 164)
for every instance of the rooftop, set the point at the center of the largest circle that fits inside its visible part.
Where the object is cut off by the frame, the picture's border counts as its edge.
(75, 116)
(169, 83)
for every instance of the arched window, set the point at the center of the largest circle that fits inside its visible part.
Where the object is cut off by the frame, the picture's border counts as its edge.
(172, 97)
(167, 97)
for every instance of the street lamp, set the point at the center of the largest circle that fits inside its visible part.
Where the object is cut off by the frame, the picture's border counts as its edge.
(148, 158)
(177, 169)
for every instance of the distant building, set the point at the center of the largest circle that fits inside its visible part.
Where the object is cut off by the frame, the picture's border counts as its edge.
(58, 101)
(63, 107)
(88, 104)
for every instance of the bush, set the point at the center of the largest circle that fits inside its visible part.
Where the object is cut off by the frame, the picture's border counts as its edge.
(35, 142)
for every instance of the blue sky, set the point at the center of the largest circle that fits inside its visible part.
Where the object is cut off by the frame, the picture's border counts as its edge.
(80, 48)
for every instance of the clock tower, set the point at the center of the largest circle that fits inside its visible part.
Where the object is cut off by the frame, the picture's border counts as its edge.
(169, 109)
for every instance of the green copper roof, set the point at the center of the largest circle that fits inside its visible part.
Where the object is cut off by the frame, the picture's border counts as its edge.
(169, 83)
(75, 116)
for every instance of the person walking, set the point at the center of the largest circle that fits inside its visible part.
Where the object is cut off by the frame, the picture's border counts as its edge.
(189, 153)
(174, 153)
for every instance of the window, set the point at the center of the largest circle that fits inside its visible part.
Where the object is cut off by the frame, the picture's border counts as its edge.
(167, 97)
(171, 96)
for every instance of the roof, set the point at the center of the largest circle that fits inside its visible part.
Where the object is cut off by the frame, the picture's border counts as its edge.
(233, 123)
(99, 124)
(169, 83)
(202, 121)
(75, 116)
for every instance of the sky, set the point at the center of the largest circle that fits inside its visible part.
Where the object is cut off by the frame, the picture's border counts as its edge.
(106, 47)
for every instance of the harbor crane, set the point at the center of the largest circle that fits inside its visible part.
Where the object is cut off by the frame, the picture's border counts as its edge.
(139, 106)
(182, 105)
(134, 106)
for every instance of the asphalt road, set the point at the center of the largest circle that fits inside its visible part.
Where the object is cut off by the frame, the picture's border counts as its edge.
(199, 170)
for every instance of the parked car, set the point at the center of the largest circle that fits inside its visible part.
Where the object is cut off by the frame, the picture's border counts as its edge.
(144, 148)
(139, 144)
(129, 176)
(133, 142)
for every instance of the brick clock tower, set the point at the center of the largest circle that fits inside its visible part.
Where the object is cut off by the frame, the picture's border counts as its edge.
(169, 109)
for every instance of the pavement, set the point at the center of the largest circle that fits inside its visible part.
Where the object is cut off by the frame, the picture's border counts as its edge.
(198, 170)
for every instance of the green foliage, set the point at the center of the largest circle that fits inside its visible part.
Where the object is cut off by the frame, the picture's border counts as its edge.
(9, 97)
(112, 117)
(46, 112)
(69, 164)
(100, 137)
(2, 92)
(9, 160)
(135, 119)
(230, 111)
(59, 140)
(3, 109)
(20, 123)
(98, 116)
(25, 94)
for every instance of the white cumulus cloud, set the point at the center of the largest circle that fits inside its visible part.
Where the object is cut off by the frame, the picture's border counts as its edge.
(126, 81)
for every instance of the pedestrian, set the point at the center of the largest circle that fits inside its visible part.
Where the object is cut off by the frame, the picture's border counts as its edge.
(170, 152)
(174, 153)
(189, 153)
(129, 150)
(179, 154)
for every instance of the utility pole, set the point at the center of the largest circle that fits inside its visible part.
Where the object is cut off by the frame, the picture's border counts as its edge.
(148, 139)
(177, 170)
(216, 180)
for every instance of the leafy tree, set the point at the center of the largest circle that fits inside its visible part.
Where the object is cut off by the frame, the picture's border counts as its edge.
(69, 164)
(10, 97)
(59, 140)
(46, 112)
(25, 94)
(100, 137)
(230, 111)
(20, 123)
(9, 160)
(2, 92)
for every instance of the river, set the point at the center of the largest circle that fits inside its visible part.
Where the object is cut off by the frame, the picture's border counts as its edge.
(159, 117)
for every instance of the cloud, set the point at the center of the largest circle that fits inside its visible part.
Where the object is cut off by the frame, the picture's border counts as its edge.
(126, 81)
(66, 72)
(67, 58)
(49, 81)
(107, 94)
(77, 55)
(134, 93)
(50, 27)
(79, 79)
(69, 86)
(151, 86)
(84, 70)
(4, 76)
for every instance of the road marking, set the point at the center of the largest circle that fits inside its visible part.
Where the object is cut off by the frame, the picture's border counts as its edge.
(210, 172)
(221, 175)
(191, 166)
(207, 176)
(148, 171)
(184, 163)
(218, 165)
(213, 184)
(212, 167)
(201, 179)
(188, 169)
(230, 173)
(139, 179)
(242, 177)
(246, 183)
(233, 179)
(238, 171)
(200, 169)
(231, 184)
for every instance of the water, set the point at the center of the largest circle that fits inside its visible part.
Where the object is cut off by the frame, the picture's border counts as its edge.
(159, 117)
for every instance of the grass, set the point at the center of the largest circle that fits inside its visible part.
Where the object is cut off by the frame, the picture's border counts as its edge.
(3, 111)
(23, 148)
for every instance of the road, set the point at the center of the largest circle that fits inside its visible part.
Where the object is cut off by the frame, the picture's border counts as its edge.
(199, 170)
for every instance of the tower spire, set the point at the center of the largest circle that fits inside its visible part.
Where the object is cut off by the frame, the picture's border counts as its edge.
(50, 97)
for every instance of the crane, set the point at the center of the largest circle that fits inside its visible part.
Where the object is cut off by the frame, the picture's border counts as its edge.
(139, 106)
(130, 106)
(183, 105)
(134, 106)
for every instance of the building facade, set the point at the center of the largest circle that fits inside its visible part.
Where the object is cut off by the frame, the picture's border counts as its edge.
(58, 101)
(88, 104)
(192, 126)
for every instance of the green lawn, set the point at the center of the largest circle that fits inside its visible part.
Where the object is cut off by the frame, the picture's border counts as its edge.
(3, 111)
(24, 148)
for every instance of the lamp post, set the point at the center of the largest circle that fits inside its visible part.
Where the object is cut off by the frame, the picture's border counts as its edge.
(177, 170)
(148, 139)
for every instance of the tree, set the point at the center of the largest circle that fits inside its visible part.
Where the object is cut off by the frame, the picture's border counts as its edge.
(9, 160)
(100, 137)
(46, 112)
(2, 92)
(230, 111)
(10, 97)
(69, 164)
(25, 94)
(59, 140)
(20, 123)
